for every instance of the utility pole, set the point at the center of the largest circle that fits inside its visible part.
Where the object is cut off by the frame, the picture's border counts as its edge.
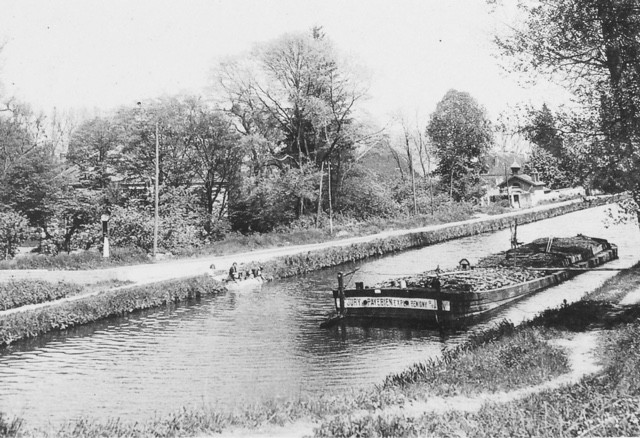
(330, 206)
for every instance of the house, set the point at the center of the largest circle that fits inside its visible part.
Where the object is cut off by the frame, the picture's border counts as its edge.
(497, 170)
(521, 189)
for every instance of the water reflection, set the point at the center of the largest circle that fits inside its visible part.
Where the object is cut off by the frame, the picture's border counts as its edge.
(247, 345)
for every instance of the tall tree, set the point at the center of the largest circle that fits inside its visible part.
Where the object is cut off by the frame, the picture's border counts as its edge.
(592, 47)
(297, 92)
(542, 131)
(295, 100)
(94, 148)
(461, 135)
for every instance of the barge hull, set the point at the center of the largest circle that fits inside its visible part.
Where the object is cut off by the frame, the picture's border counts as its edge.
(432, 307)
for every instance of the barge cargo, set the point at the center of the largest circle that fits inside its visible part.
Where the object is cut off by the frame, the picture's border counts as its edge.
(441, 297)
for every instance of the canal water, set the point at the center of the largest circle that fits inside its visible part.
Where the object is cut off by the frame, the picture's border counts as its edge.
(247, 346)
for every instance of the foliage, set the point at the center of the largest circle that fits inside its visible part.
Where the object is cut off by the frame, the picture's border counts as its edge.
(93, 149)
(78, 260)
(519, 359)
(60, 316)
(13, 231)
(24, 292)
(10, 428)
(33, 186)
(542, 131)
(461, 135)
(131, 227)
(365, 197)
(294, 100)
(592, 48)
(548, 167)
(296, 90)
(198, 148)
(269, 201)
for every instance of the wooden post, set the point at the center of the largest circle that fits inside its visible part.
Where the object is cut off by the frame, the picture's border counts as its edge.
(341, 292)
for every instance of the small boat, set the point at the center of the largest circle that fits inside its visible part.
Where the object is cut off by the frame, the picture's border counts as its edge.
(245, 283)
(249, 279)
(441, 297)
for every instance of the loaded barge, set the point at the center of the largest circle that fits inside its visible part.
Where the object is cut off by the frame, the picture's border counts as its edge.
(440, 297)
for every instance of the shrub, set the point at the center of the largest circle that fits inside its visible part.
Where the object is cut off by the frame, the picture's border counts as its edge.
(25, 292)
(59, 316)
(14, 229)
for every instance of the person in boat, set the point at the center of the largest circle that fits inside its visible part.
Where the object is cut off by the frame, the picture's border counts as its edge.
(234, 275)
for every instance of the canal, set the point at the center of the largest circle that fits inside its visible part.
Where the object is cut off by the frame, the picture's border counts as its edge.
(246, 346)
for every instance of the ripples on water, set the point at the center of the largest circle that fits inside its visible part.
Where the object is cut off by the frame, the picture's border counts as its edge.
(249, 345)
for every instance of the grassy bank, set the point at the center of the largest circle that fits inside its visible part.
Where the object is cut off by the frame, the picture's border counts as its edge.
(30, 323)
(288, 266)
(24, 292)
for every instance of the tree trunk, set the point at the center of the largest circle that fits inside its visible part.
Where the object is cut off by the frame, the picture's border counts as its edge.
(320, 194)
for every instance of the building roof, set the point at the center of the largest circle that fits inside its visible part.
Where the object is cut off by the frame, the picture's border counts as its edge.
(524, 178)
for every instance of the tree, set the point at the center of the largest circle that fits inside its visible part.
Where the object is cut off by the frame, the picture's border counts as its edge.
(199, 148)
(295, 100)
(591, 47)
(461, 135)
(33, 186)
(93, 148)
(542, 131)
(13, 231)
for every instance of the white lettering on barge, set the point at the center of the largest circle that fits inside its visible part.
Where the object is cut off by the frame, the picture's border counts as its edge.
(409, 303)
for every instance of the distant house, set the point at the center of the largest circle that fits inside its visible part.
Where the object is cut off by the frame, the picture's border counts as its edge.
(521, 189)
(497, 171)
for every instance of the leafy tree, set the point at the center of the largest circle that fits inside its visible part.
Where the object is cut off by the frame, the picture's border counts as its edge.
(461, 135)
(263, 203)
(295, 100)
(33, 186)
(365, 196)
(297, 92)
(592, 47)
(543, 132)
(14, 229)
(94, 148)
(548, 167)
(199, 148)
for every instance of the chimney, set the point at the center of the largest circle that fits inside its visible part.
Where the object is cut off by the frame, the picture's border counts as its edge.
(515, 168)
(535, 176)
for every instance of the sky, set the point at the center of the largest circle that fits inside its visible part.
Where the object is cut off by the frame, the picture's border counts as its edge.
(87, 54)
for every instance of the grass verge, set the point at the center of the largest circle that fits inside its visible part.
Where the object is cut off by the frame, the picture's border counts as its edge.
(31, 323)
(24, 292)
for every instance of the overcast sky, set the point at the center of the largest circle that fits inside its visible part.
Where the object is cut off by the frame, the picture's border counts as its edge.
(101, 54)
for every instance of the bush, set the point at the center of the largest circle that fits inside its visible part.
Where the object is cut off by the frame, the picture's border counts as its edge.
(14, 229)
(24, 292)
(31, 323)
(78, 260)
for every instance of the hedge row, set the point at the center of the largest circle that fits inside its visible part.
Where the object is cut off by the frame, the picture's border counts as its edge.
(24, 292)
(31, 323)
(288, 266)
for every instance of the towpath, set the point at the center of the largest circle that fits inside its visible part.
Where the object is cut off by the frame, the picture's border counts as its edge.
(182, 268)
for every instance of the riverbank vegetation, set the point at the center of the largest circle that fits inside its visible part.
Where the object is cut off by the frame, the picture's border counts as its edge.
(24, 292)
(86, 309)
(602, 404)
